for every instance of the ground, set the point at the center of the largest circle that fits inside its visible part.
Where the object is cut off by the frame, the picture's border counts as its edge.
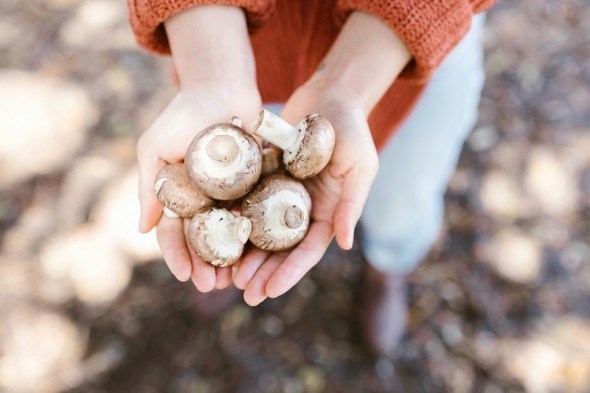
(88, 306)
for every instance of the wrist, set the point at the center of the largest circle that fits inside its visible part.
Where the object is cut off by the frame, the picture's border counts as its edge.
(217, 98)
(364, 60)
(210, 44)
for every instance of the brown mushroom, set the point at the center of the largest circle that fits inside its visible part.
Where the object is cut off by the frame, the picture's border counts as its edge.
(279, 208)
(176, 192)
(224, 161)
(218, 236)
(271, 160)
(307, 147)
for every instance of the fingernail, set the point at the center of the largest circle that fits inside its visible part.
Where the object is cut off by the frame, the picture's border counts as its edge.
(350, 241)
(141, 225)
(183, 276)
(254, 304)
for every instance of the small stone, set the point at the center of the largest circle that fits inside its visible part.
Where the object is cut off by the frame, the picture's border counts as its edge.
(41, 350)
(384, 368)
(483, 138)
(515, 256)
(43, 124)
(312, 378)
(306, 287)
(575, 255)
(501, 196)
(552, 184)
(434, 349)
(452, 334)
(88, 260)
(554, 359)
(272, 325)
(94, 17)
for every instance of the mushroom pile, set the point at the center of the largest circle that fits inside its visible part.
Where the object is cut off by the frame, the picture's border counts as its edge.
(233, 189)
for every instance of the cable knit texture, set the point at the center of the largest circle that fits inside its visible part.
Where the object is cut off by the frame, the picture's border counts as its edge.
(292, 37)
(146, 17)
(430, 29)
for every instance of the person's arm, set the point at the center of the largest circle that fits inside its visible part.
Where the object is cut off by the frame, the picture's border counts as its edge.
(210, 44)
(430, 29)
(363, 62)
(365, 59)
(215, 65)
(147, 17)
(380, 41)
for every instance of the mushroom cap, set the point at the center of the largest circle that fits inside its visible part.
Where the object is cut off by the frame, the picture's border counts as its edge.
(218, 236)
(272, 160)
(313, 153)
(279, 208)
(176, 192)
(223, 161)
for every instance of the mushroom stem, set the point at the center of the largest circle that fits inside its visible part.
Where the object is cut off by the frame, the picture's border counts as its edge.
(293, 217)
(223, 148)
(169, 213)
(287, 215)
(275, 130)
(235, 230)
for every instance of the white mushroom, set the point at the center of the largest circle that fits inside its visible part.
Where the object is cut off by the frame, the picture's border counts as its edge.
(179, 197)
(218, 236)
(307, 147)
(224, 162)
(279, 208)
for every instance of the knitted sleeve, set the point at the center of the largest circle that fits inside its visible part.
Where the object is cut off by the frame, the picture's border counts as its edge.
(146, 17)
(429, 28)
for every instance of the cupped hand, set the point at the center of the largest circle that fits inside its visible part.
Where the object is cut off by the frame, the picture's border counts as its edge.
(166, 142)
(338, 193)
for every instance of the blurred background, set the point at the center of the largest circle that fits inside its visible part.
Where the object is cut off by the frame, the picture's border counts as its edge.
(86, 304)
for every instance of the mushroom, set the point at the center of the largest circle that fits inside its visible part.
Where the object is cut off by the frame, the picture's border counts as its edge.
(271, 160)
(279, 208)
(224, 161)
(218, 236)
(179, 197)
(307, 147)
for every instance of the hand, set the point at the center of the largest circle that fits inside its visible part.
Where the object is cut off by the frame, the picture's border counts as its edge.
(338, 193)
(215, 67)
(362, 63)
(166, 142)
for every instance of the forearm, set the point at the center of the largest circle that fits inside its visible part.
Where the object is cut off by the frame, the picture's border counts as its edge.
(365, 59)
(210, 44)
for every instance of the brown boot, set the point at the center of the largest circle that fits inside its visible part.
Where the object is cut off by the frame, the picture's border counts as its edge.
(384, 312)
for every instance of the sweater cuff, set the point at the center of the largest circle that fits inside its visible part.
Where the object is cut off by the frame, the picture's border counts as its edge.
(429, 29)
(147, 16)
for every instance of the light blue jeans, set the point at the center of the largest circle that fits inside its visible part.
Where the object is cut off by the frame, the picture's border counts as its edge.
(404, 213)
(405, 208)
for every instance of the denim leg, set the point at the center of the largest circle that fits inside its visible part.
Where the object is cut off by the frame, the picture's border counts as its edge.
(405, 208)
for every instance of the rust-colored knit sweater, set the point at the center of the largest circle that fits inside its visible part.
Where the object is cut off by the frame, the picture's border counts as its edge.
(289, 28)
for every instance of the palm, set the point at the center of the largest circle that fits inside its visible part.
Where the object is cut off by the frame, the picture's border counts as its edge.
(166, 142)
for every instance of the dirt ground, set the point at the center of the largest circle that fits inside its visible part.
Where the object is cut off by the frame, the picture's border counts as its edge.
(87, 305)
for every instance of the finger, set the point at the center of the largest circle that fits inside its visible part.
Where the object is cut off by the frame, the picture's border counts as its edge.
(149, 166)
(355, 191)
(203, 275)
(170, 237)
(301, 259)
(255, 293)
(223, 277)
(249, 265)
